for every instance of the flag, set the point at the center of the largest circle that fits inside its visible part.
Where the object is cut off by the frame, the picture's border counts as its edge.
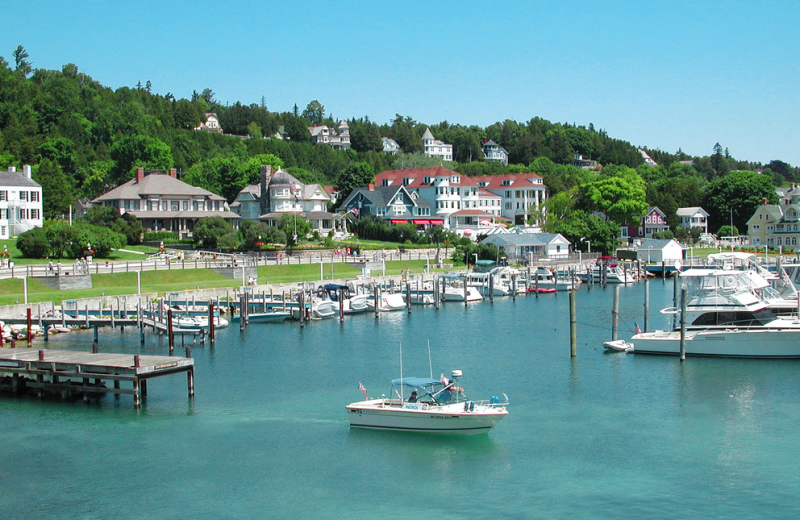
(293, 186)
(637, 329)
(443, 379)
(363, 390)
(354, 211)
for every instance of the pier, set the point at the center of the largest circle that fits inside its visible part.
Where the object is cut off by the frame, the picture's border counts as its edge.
(71, 373)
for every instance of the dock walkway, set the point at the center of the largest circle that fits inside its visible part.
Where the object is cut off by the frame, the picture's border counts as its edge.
(71, 372)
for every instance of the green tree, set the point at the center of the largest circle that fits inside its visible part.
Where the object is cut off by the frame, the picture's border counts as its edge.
(21, 62)
(33, 243)
(139, 151)
(314, 112)
(57, 189)
(209, 231)
(188, 115)
(621, 197)
(354, 176)
(737, 195)
(295, 227)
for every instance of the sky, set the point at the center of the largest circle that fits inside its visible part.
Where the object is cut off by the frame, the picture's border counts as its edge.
(667, 75)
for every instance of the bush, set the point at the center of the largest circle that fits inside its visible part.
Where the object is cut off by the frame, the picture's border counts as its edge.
(33, 243)
(157, 236)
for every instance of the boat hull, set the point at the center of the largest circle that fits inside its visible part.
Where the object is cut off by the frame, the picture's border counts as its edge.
(765, 343)
(450, 419)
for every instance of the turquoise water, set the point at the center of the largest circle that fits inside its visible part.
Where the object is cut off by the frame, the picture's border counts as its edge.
(599, 436)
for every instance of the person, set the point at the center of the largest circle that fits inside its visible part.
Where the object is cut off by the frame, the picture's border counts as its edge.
(413, 397)
(50, 266)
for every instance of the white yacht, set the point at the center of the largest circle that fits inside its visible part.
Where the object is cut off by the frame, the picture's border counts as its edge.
(724, 317)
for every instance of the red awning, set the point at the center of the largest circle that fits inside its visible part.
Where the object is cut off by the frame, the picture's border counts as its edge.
(422, 222)
(437, 222)
(394, 221)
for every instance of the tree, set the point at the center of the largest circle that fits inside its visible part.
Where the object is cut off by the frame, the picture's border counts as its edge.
(254, 131)
(314, 112)
(354, 176)
(21, 63)
(736, 196)
(187, 115)
(139, 151)
(294, 227)
(33, 243)
(57, 189)
(728, 231)
(209, 231)
(365, 137)
(621, 197)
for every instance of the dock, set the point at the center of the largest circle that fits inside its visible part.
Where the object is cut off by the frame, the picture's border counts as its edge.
(71, 373)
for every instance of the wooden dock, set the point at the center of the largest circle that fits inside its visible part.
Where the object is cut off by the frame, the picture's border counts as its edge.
(70, 373)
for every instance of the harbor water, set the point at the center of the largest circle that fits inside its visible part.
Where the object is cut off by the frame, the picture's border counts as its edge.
(603, 435)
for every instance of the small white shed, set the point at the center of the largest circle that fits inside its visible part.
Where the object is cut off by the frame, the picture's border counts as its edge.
(658, 251)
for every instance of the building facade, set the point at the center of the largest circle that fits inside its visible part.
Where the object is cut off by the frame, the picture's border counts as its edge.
(328, 136)
(397, 204)
(21, 202)
(211, 124)
(435, 148)
(654, 221)
(694, 217)
(493, 152)
(161, 202)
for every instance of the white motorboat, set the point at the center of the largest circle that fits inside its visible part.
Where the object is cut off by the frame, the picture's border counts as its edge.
(185, 324)
(352, 303)
(387, 302)
(543, 279)
(726, 318)
(270, 316)
(619, 345)
(429, 406)
(454, 289)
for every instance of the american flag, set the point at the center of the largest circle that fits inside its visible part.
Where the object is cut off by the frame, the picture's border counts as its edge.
(363, 390)
(443, 379)
(638, 330)
(354, 211)
(293, 186)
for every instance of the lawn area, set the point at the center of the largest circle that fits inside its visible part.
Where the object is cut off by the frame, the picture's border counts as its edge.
(18, 259)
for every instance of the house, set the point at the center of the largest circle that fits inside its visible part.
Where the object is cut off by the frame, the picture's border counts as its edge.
(211, 124)
(337, 140)
(585, 164)
(390, 146)
(647, 159)
(493, 152)
(776, 226)
(394, 203)
(279, 193)
(653, 221)
(161, 202)
(653, 250)
(513, 196)
(21, 202)
(435, 148)
(281, 134)
(528, 247)
(694, 217)
(473, 223)
(81, 206)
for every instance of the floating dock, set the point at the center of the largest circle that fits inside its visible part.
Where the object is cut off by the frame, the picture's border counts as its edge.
(70, 373)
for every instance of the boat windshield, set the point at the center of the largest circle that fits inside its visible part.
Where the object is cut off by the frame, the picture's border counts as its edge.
(432, 390)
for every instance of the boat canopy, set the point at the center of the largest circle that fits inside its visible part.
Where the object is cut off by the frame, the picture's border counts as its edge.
(415, 382)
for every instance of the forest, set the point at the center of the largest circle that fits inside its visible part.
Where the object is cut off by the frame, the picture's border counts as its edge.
(83, 138)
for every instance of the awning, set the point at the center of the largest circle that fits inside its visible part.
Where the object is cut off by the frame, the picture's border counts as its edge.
(422, 222)
(437, 222)
(467, 232)
(395, 221)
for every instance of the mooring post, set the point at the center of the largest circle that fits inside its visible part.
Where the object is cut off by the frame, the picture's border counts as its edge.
(375, 296)
(664, 273)
(514, 286)
(341, 304)
(137, 397)
(408, 295)
(466, 290)
(675, 291)
(302, 308)
(646, 302)
(573, 329)
(170, 331)
(684, 295)
(96, 339)
(615, 314)
(211, 323)
(29, 323)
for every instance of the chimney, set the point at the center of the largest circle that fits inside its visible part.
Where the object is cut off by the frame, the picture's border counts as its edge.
(26, 169)
(371, 187)
(266, 174)
(173, 173)
(12, 169)
(139, 174)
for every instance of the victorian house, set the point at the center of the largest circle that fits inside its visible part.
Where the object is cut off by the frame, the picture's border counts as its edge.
(435, 148)
(653, 221)
(328, 136)
(493, 152)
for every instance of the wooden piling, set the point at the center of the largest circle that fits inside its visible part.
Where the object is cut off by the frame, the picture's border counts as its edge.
(646, 302)
(684, 297)
(573, 329)
(171, 335)
(211, 324)
(29, 324)
(615, 314)
(341, 305)
(376, 299)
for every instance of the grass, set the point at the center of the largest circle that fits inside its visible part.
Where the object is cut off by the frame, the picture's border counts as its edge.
(162, 282)
(18, 259)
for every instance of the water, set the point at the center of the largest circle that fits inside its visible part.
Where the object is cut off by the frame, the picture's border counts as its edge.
(600, 436)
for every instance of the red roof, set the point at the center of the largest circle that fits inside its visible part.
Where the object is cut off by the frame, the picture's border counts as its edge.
(417, 176)
(495, 182)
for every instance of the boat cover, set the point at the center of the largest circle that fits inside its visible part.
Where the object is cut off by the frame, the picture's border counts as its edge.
(415, 382)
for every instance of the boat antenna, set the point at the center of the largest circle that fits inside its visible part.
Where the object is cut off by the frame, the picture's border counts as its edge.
(401, 372)
(430, 364)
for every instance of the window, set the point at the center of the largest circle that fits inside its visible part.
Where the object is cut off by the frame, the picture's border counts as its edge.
(176, 205)
(34, 214)
(23, 195)
(23, 214)
(3, 195)
(34, 196)
(185, 205)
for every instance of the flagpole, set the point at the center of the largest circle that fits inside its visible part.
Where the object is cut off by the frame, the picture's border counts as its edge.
(401, 373)
(430, 364)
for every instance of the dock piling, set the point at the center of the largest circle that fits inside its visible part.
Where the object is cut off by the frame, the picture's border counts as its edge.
(573, 330)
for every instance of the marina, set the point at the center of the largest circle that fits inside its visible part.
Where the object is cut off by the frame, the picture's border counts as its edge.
(706, 437)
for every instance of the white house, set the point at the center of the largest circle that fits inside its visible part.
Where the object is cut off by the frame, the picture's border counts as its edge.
(653, 250)
(337, 140)
(493, 152)
(524, 247)
(435, 148)
(693, 217)
(20, 202)
(211, 124)
(390, 146)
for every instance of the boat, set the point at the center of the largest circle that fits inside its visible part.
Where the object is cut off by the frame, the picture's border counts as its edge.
(185, 324)
(387, 302)
(352, 303)
(271, 316)
(427, 405)
(613, 272)
(456, 291)
(725, 317)
(619, 345)
(543, 279)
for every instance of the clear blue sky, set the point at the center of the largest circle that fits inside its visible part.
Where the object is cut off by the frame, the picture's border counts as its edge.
(661, 74)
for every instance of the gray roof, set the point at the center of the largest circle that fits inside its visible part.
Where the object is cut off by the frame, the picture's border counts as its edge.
(656, 244)
(155, 184)
(163, 215)
(523, 239)
(17, 179)
(383, 195)
(305, 214)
